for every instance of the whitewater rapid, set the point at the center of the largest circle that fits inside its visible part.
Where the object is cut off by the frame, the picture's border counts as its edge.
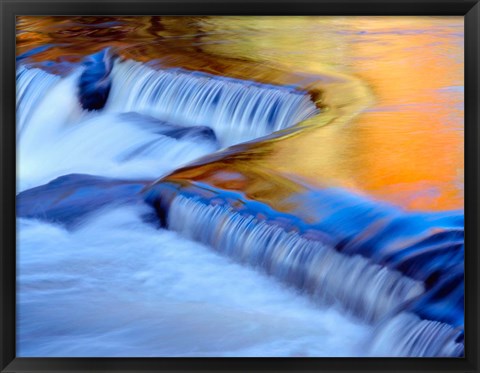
(99, 274)
(115, 285)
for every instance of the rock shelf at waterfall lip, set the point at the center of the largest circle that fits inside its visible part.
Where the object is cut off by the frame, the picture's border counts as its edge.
(237, 110)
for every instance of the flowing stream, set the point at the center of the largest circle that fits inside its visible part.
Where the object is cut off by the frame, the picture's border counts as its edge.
(115, 285)
(110, 264)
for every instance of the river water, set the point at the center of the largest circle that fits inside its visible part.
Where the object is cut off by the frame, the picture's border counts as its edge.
(111, 281)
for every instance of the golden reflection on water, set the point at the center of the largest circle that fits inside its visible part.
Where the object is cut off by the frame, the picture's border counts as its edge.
(393, 87)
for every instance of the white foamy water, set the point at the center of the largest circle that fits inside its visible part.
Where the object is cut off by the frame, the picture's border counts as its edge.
(31, 87)
(59, 138)
(238, 110)
(364, 289)
(118, 287)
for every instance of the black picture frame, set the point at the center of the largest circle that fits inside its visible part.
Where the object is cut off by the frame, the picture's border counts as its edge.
(11, 8)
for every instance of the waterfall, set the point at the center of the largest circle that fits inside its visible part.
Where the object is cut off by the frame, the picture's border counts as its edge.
(125, 124)
(32, 85)
(362, 288)
(406, 334)
(55, 136)
(362, 268)
(238, 110)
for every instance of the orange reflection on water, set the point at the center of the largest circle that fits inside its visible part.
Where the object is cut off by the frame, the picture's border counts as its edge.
(412, 140)
(406, 147)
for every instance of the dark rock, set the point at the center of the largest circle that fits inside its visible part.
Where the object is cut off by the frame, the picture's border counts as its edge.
(95, 82)
(68, 199)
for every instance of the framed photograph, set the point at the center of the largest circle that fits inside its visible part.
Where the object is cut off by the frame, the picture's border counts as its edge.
(239, 186)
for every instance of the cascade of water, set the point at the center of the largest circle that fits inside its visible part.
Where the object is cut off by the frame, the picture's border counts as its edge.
(55, 136)
(406, 334)
(418, 271)
(115, 286)
(111, 145)
(362, 288)
(238, 110)
(32, 85)
(396, 276)
(46, 121)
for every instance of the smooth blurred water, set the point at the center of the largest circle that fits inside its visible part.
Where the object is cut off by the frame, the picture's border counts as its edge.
(60, 138)
(116, 286)
(238, 110)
